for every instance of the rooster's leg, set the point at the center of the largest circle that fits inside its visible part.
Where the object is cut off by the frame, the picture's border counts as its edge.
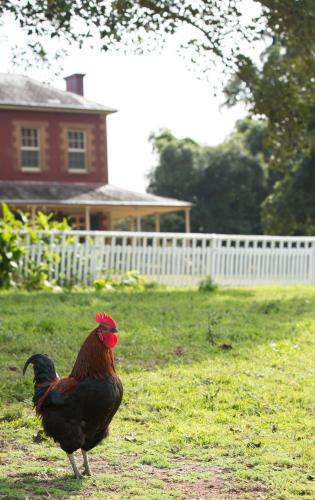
(86, 464)
(74, 466)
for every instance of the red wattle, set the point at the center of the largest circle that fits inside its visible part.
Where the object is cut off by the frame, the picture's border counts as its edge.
(110, 340)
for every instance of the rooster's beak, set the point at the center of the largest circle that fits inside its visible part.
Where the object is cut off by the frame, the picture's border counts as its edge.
(113, 330)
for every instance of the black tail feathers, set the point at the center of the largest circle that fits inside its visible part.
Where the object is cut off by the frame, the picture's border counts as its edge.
(44, 368)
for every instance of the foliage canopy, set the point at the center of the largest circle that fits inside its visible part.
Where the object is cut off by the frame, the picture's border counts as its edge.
(226, 184)
(233, 187)
(289, 209)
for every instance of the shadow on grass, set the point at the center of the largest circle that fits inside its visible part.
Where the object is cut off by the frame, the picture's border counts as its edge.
(26, 485)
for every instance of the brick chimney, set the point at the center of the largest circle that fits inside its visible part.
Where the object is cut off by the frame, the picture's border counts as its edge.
(74, 83)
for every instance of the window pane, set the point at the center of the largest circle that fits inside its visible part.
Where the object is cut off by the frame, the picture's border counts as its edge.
(30, 137)
(76, 139)
(76, 160)
(30, 158)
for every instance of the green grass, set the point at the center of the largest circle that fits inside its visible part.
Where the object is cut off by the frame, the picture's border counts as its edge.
(219, 394)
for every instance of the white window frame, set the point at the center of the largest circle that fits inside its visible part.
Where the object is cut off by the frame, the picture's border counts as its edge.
(30, 148)
(78, 150)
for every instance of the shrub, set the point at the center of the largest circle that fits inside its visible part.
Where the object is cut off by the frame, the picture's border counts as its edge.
(13, 233)
(207, 285)
(99, 284)
(10, 249)
(130, 279)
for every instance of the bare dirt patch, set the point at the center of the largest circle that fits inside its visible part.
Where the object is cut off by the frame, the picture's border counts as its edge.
(195, 480)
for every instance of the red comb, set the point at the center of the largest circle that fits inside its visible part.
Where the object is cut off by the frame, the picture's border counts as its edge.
(104, 318)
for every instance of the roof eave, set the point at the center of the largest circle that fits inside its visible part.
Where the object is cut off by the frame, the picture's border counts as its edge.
(60, 109)
(97, 203)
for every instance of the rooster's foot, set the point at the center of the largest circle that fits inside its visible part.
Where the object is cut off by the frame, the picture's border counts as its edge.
(75, 469)
(86, 464)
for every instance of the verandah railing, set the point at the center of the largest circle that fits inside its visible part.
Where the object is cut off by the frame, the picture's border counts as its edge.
(175, 259)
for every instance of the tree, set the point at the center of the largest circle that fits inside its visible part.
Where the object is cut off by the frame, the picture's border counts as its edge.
(180, 164)
(282, 90)
(231, 190)
(227, 184)
(180, 161)
(289, 209)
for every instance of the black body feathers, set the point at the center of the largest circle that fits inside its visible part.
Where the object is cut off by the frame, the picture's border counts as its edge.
(80, 418)
(75, 413)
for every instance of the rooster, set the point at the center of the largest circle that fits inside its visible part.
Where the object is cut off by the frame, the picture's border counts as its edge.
(76, 411)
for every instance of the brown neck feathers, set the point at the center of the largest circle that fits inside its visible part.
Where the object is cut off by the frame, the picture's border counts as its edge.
(94, 360)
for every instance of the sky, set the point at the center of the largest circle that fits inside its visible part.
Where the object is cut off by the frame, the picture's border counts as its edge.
(150, 92)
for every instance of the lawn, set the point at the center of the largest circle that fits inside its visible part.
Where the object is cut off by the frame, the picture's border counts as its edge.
(219, 394)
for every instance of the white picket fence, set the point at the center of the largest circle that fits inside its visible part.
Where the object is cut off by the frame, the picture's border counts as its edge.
(175, 259)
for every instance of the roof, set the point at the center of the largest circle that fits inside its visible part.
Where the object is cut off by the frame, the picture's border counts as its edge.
(23, 92)
(85, 194)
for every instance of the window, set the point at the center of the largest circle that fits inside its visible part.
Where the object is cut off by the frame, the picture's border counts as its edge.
(78, 221)
(30, 142)
(76, 150)
(30, 152)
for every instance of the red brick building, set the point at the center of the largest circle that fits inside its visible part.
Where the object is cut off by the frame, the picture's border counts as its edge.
(53, 157)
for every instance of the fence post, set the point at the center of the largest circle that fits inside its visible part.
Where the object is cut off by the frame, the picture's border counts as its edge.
(212, 256)
(312, 264)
